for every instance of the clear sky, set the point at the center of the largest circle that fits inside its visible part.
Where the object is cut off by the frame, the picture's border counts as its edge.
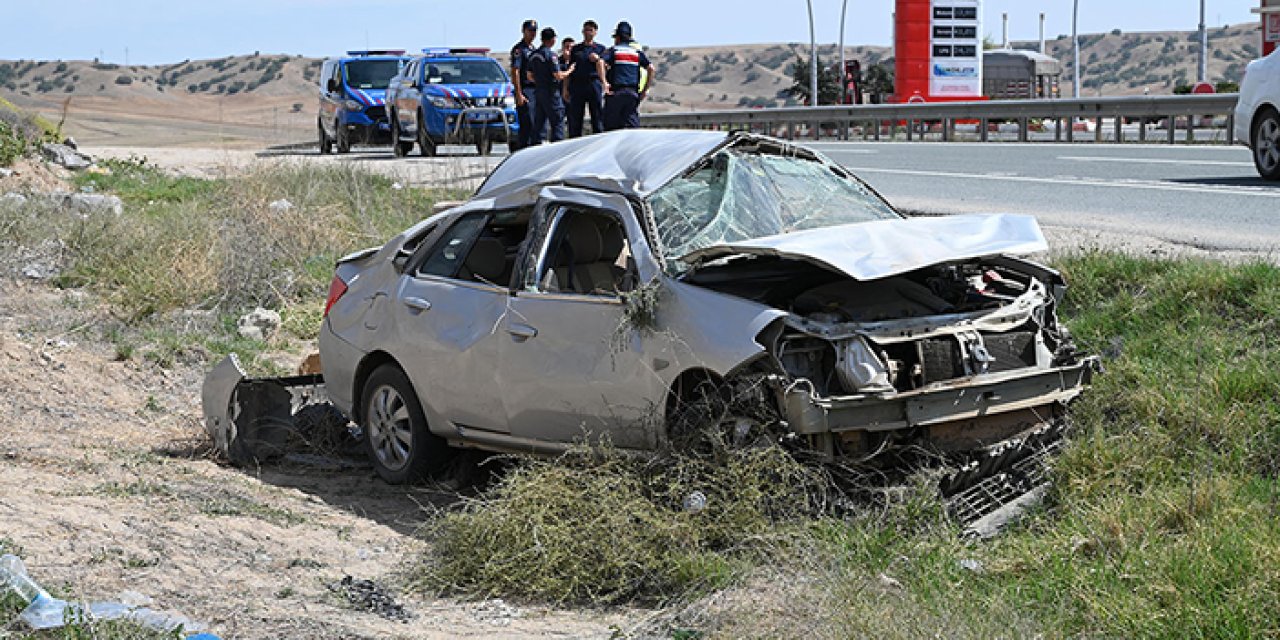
(174, 30)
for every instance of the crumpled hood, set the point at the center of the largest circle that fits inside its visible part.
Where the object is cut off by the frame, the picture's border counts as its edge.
(460, 91)
(368, 97)
(884, 248)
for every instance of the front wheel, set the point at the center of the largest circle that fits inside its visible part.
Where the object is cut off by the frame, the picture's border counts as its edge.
(399, 148)
(344, 139)
(484, 146)
(1266, 145)
(400, 446)
(425, 143)
(326, 145)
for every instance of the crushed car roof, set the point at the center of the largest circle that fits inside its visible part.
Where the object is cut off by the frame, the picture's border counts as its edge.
(633, 162)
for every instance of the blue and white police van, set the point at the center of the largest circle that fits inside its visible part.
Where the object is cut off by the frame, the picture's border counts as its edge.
(353, 98)
(452, 96)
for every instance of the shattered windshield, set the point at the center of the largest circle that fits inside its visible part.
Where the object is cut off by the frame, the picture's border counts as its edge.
(741, 195)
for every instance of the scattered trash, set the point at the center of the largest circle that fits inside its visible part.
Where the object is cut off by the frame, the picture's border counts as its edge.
(889, 582)
(44, 611)
(71, 142)
(396, 186)
(495, 612)
(66, 156)
(369, 596)
(695, 502)
(39, 271)
(15, 198)
(280, 205)
(91, 202)
(972, 565)
(259, 324)
(5, 173)
(99, 170)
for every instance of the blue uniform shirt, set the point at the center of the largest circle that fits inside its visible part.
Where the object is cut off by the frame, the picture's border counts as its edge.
(543, 64)
(520, 59)
(585, 69)
(625, 61)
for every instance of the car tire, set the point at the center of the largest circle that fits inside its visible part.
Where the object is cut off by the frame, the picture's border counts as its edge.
(397, 439)
(1266, 144)
(425, 144)
(399, 148)
(513, 146)
(326, 145)
(343, 142)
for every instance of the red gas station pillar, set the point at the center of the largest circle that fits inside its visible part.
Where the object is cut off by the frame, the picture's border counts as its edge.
(911, 41)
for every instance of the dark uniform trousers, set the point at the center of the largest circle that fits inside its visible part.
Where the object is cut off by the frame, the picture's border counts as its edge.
(524, 116)
(622, 109)
(583, 97)
(548, 107)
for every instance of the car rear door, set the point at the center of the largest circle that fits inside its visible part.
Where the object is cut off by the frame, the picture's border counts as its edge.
(572, 364)
(445, 336)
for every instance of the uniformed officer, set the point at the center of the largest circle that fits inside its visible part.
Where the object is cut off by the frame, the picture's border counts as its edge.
(622, 90)
(545, 73)
(524, 94)
(585, 89)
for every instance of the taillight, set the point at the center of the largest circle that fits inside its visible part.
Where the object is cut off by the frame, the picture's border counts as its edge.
(336, 288)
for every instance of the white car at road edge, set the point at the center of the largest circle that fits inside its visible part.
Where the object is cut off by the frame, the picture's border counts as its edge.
(1258, 114)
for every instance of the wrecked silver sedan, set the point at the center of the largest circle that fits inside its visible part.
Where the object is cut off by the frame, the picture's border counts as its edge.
(639, 285)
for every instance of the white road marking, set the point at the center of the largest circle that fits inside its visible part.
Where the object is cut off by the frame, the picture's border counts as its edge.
(1213, 163)
(1080, 182)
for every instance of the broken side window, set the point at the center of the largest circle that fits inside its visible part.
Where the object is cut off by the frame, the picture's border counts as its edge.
(587, 253)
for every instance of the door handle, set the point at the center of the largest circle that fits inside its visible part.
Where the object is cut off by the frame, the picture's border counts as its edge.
(522, 331)
(418, 303)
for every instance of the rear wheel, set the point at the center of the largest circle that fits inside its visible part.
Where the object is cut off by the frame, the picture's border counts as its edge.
(400, 446)
(1266, 145)
(484, 145)
(326, 145)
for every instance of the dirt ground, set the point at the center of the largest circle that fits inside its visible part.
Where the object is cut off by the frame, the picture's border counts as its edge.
(107, 487)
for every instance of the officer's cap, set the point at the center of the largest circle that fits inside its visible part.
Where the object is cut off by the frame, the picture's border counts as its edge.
(623, 30)
(548, 34)
(529, 25)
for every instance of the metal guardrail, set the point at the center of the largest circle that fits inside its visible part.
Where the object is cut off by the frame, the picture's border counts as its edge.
(871, 120)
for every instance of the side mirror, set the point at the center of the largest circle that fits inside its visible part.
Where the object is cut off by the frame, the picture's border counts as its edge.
(333, 85)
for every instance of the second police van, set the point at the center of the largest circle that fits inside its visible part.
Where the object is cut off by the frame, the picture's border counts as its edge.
(451, 96)
(353, 98)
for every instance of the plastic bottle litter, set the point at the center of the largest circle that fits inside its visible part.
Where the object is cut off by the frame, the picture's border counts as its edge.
(46, 612)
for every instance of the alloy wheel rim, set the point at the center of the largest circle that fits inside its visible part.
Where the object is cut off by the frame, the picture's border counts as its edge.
(1268, 145)
(390, 432)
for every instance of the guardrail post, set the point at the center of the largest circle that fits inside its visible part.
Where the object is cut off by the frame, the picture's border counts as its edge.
(1142, 130)
(1231, 129)
(878, 123)
(1191, 129)
(791, 131)
(984, 127)
(1097, 130)
(1024, 123)
(911, 129)
(1119, 130)
(1071, 130)
(1173, 129)
(1057, 129)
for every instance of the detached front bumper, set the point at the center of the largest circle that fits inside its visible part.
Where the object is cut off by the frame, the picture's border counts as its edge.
(961, 413)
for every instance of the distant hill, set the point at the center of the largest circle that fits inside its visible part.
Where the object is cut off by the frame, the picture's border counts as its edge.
(274, 95)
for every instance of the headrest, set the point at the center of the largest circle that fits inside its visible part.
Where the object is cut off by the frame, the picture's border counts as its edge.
(583, 234)
(488, 260)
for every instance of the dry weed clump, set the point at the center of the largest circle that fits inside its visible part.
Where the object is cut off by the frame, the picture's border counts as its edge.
(597, 526)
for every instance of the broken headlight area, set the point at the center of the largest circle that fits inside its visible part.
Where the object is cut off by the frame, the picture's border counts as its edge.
(964, 360)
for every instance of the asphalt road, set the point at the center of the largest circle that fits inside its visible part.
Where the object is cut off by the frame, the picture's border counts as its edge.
(1202, 197)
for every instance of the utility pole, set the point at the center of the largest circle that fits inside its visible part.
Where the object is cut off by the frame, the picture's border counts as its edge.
(1204, 46)
(813, 60)
(1075, 43)
(844, 85)
(1042, 47)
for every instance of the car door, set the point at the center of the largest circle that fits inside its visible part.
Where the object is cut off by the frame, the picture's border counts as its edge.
(328, 103)
(572, 366)
(446, 335)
